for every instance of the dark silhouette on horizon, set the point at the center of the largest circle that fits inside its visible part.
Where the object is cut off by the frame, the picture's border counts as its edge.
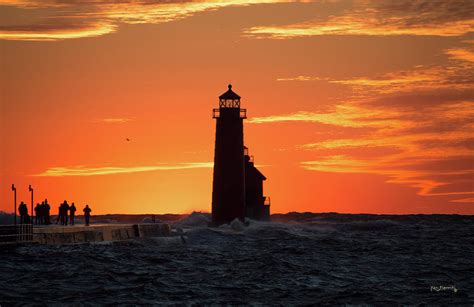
(46, 213)
(38, 214)
(87, 215)
(63, 213)
(72, 213)
(23, 211)
(229, 177)
(42, 212)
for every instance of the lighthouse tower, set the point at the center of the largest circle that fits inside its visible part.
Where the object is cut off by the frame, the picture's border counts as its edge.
(228, 190)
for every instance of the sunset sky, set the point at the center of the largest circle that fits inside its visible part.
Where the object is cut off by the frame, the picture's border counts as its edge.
(353, 106)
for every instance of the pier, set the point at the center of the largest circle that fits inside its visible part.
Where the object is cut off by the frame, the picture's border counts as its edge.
(54, 234)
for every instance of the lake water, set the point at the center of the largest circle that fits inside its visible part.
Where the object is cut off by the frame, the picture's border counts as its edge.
(303, 259)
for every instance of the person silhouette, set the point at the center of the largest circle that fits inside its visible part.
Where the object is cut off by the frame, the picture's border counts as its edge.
(38, 214)
(46, 212)
(60, 214)
(63, 208)
(65, 212)
(87, 214)
(72, 212)
(42, 213)
(23, 210)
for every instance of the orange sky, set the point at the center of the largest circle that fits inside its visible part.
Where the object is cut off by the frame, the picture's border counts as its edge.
(353, 106)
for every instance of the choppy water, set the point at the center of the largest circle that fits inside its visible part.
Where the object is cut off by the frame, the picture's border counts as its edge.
(320, 259)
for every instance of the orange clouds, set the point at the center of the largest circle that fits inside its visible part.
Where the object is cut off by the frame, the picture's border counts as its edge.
(426, 156)
(382, 18)
(113, 120)
(420, 78)
(28, 34)
(422, 117)
(461, 54)
(111, 170)
(350, 25)
(59, 20)
(345, 115)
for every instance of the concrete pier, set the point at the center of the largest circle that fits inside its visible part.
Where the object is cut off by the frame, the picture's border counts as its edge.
(54, 234)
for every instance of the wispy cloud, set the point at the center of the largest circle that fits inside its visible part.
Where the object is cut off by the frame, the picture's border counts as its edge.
(382, 18)
(421, 125)
(344, 115)
(420, 78)
(113, 120)
(111, 170)
(357, 26)
(463, 54)
(52, 33)
(409, 172)
(59, 20)
(463, 200)
(303, 78)
(431, 148)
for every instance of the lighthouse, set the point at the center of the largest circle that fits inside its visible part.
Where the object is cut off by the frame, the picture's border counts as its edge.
(237, 187)
(228, 186)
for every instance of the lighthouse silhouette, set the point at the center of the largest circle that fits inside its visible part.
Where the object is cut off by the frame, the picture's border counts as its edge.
(231, 161)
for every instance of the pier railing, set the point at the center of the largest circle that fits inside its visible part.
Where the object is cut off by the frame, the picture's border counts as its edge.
(11, 234)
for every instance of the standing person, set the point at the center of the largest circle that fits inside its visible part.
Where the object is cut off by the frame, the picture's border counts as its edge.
(87, 214)
(72, 212)
(23, 210)
(38, 214)
(66, 209)
(46, 212)
(42, 214)
(60, 214)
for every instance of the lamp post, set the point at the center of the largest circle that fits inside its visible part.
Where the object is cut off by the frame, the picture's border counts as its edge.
(14, 201)
(31, 190)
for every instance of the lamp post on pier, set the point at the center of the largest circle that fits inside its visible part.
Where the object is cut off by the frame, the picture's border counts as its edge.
(14, 201)
(31, 190)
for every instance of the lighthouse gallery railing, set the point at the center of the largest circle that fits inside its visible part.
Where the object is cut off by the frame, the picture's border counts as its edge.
(216, 113)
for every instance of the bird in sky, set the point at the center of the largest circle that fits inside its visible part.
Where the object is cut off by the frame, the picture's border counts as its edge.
(128, 140)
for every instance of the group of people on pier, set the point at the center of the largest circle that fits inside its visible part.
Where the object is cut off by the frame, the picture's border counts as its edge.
(42, 213)
(43, 217)
(65, 208)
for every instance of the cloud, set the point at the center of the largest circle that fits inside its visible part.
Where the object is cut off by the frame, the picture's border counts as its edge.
(463, 200)
(58, 19)
(113, 120)
(420, 78)
(344, 115)
(303, 78)
(382, 18)
(357, 26)
(462, 54)
(422, 154)
(110, 170)
(419, 127)
(400, 172)
(66, 19)
(55, 32)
